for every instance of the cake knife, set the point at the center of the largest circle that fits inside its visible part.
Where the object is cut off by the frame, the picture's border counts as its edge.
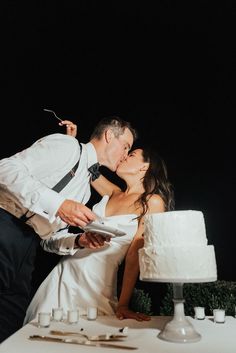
(80, 342)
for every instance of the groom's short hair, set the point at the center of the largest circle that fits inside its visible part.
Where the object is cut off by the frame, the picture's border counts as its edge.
(116, 124)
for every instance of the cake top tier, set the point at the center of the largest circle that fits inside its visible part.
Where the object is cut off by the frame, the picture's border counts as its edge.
(175, 228)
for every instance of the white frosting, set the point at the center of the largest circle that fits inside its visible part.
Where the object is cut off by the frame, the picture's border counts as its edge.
(175, 228)
(175, 248)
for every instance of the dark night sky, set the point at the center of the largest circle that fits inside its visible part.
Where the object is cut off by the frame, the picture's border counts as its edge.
(168, 68)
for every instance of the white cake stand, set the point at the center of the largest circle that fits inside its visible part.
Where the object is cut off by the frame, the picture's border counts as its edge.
(179, 329)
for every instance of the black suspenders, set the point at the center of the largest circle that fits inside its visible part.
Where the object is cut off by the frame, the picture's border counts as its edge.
(60, 185)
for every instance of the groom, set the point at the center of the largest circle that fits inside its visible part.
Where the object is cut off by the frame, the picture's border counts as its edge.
(43, 190)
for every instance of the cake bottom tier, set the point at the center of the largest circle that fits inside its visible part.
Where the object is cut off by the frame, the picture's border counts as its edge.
(178, 264)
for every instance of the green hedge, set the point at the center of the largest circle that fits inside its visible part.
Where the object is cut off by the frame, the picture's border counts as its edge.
(141, 302)
(212, 295)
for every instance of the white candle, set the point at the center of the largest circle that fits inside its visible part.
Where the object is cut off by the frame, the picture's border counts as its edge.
(72, 316)
(199, 312)
(219, 315)
(92, 313)
(44, 319)
(57, 314)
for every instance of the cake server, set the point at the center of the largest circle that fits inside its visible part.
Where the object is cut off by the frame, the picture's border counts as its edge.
(80, 342)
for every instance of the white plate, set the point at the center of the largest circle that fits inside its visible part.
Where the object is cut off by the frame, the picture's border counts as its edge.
(104, 230)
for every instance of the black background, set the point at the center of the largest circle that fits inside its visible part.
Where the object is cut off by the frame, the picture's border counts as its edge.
(168, 67)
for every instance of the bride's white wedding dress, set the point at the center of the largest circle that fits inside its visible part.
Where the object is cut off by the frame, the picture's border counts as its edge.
(89, 277)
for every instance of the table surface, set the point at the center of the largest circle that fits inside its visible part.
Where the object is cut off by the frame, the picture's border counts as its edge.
(216, 338)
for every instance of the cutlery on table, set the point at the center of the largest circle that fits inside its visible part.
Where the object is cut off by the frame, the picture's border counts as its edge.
(80, 342)
(103, 337)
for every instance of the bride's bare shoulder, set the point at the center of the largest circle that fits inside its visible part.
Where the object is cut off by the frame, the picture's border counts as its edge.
(156, 204)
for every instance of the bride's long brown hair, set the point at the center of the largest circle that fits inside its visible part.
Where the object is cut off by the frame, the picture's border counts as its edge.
(155, 181)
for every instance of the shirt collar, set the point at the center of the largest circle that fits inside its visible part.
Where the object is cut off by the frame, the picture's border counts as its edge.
(91, 154)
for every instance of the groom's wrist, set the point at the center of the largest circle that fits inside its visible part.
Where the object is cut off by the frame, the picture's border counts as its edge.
(77, 241)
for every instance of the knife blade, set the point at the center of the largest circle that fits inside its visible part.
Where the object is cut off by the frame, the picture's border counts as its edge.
(80, 342)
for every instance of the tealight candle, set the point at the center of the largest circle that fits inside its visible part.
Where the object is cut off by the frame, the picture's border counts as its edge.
(219, 316)
(44, 319)
(92, 313)
(57, 314)
(199, 312)
(72, 316)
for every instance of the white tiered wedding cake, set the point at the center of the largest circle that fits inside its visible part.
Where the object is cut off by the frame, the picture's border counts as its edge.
(175, 248)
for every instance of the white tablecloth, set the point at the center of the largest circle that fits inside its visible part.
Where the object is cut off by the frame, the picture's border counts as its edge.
(216, 338)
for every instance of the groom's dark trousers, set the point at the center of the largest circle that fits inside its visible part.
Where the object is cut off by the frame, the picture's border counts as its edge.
(18, 245)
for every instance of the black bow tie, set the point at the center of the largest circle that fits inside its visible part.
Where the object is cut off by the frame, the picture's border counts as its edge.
(94, 170)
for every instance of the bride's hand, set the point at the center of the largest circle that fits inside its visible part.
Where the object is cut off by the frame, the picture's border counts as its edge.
(123, 312)
(71, 128)
(93, 240)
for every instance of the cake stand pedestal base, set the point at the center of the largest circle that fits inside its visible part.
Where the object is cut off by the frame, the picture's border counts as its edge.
(179, 329)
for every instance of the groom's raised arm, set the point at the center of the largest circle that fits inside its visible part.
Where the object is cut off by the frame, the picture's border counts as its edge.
(104, 187)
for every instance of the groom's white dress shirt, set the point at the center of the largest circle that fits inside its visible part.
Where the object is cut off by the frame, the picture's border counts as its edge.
(27, 179)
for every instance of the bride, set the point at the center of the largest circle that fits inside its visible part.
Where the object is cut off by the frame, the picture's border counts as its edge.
(88, 277)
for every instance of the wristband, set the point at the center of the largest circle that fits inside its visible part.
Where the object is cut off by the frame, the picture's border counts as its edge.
(77, 241)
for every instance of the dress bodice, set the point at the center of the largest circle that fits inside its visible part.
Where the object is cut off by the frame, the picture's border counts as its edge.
(125, 222)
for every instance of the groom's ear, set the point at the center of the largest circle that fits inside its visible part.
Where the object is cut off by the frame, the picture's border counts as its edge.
(108, 134)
